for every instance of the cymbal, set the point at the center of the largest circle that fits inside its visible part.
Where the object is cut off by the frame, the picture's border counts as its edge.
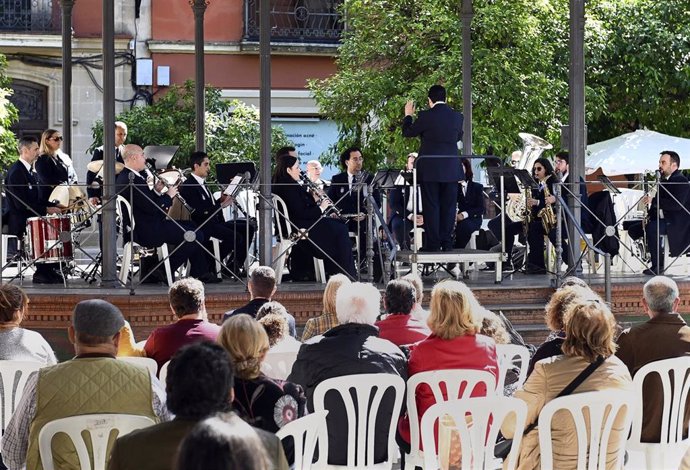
(96, 165)
(60, 195)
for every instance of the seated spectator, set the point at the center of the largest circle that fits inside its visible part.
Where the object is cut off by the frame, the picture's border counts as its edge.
(261, 286)
(266, 403)
(353, 347)
(16, 343)
(328, 319)
(199, 385)
(560, 301)
(222, 442)
(188, 305)
(106, 385)
(273, 317)
(398, 326)
(664, 336)
(418, 311)
(454, 343)
(589, 333)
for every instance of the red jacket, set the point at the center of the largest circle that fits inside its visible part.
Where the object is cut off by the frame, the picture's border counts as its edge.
(402, 329)
(434, 353)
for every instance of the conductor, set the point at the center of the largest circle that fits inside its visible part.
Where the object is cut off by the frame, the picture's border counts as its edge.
(438, 168)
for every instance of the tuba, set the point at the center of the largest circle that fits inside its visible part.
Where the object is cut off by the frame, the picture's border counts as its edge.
(532, 148)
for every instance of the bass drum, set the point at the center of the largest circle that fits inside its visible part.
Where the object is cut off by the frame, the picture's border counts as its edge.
(49, 239)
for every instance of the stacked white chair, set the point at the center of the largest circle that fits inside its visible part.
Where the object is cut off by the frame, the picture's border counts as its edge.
(506, 355)
(304, 432)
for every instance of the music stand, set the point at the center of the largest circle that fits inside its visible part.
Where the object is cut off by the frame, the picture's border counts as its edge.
(526, 180)
(606, 181)
(225, 172)
(160, 155)
(508, 173)
(385, 179)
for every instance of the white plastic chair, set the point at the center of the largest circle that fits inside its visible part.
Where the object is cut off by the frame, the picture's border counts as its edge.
(455, 381)
(99, 428)
(305, 432)
(163, 374)
(603, 407)
(360, 428)
(506, 355)
(668, 452)
(145, 362)
(13, 376)
(128, 247)
(478, 435)
(278, 365)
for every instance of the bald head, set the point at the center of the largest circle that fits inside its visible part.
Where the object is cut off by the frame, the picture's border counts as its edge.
(133, 155)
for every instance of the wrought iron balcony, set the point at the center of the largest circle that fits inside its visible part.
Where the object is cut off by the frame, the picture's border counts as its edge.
(30, 16)
(300, 21)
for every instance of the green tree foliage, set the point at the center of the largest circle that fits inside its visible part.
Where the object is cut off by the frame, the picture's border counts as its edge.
(8, 115)
(231, 127)
(393, 50)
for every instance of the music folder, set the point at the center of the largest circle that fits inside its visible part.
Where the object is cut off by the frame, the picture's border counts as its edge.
(225, 172)
(160, 155)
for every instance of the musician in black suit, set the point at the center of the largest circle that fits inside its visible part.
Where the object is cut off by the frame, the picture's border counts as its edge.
(329, 234)
(24, 201)
(400, 200)
(51, 169)
(208, 213)
(470, 207)
(542, 172)
(152, 227)
(673, 221)
(438, 171)
(93, 183)
(562, 170)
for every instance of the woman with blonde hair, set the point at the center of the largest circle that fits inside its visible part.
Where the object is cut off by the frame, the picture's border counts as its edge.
(263, 402)
(16, 343)
(53, 166)
(590, 329)
(328, 319)
(454, 343)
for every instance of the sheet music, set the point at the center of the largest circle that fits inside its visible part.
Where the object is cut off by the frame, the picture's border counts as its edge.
(232, 187)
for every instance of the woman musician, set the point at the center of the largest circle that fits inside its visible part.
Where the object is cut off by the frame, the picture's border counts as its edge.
(543, 216)
(327, 233)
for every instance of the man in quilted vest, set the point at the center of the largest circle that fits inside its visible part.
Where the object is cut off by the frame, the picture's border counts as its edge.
(93, 382)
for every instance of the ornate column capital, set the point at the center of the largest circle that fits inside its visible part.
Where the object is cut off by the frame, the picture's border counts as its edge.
(199, 5)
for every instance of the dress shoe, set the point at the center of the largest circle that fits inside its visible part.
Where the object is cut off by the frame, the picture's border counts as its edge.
(209, 278)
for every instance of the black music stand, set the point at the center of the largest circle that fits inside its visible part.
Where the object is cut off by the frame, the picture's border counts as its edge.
(385, 179)
(526, 179)
(160, 156)
(225, 172)
(606, 181)
(509, 182)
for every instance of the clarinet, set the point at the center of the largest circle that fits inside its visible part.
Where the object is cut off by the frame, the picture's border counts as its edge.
(179, 197)
(322, 196)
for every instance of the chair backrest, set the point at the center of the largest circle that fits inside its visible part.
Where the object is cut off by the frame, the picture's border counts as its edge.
(99, 428)
(145, 362)
(604, 409)
(123, 209)
(278, 365)
(361, 424)
(281, 218)
(459, 383)
(163, 373)
(675, 397)
(13, 376)
(305, 432)
(478, 433)
(507, 355)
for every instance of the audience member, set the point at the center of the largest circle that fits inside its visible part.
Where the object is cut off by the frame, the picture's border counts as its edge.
(398, 326)
(352, 347)
(555, 310)
(199, 385)
(418, 311)
(262, 286)
(274, 318)
(266, 403)
(16, 343)
(665, 335)
(328, 319)
(589, 338)
(187, 303)
(222, 442)
(454, 343)
(93, 382)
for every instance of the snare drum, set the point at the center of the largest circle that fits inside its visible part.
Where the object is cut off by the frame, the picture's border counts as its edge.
(49, 239)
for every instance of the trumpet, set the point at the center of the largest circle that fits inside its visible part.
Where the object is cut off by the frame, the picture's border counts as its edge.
(167, 184)
(320, 196)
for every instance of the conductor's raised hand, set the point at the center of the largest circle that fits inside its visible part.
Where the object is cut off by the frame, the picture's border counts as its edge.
(409, 108)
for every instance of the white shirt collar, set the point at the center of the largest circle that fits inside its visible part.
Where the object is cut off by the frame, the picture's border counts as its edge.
(199, 179)
(26, 165)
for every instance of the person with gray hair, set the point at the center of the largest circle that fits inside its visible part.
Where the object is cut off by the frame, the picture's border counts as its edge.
(93, 382)
(352, 347)
(665, 335)
(398, 326)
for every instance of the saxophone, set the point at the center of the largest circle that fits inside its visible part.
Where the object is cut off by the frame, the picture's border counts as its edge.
(547, 215)
(532, 148)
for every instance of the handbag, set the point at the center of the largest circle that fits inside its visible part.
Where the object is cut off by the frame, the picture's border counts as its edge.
(503, 445)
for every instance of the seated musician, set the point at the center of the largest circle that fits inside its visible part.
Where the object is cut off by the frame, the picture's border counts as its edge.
(400, 200)
(93, 186)
(541, 223)
(673, 220)
(470, 207)
(51, 168)
(328, 237)
(152, 227)
(314, 170)
(208, 214)
(24, 201)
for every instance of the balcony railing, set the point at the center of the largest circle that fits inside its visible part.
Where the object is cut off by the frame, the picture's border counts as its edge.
(301, 21)
(30, 16)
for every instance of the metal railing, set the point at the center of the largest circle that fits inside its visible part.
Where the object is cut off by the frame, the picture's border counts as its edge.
(298, 21)
(30, 16)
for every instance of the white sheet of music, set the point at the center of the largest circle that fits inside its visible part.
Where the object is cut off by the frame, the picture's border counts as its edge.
(232, 187)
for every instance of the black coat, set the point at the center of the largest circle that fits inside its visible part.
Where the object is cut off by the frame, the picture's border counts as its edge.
(23, 198)
(440, 129)
(473, 201)
(346, 200)
(348, 350)
(50, 173)
(95, 190)
(205, 206)
(673, 198)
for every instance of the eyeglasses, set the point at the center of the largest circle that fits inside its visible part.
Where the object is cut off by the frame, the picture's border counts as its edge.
(57, 139)
(357, 159)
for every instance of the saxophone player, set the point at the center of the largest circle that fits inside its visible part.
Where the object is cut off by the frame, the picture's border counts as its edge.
(542, 220)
